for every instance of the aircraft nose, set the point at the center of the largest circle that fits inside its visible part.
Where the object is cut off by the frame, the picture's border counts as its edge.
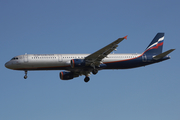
(7, 64)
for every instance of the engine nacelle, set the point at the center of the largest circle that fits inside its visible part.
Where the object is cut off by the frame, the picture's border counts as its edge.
(66, 75)
(77, 63)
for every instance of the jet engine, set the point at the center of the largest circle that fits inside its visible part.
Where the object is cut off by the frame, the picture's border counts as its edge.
(65, 75)
(77, 63)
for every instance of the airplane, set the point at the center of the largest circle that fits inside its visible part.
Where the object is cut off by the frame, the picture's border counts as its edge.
(76, 65)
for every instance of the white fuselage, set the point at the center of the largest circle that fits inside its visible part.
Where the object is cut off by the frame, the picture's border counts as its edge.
(57, 61)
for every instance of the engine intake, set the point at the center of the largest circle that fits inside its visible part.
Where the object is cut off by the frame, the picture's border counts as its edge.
(77, 63)
(66, 75)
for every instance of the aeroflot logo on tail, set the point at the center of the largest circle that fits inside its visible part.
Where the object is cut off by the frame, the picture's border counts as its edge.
(156, 44)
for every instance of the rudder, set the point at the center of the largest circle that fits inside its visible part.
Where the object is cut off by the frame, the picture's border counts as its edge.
(156, 45)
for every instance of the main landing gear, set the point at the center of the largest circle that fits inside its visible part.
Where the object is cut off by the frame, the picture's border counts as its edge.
(94, 71)
(86, 79)
(25, 76)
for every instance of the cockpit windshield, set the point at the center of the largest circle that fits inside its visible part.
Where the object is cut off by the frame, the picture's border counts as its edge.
(14, 58)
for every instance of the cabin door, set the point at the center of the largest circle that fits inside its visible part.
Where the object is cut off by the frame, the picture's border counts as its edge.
(26, 58)
(60, 58)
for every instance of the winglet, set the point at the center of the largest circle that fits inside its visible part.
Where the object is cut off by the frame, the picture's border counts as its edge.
(125, 37)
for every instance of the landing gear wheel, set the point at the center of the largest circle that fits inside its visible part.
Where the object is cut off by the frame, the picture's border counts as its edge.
(95, 71)
(86, 79)
(25, 76)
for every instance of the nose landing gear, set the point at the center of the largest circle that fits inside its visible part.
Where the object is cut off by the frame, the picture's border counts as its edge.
(25, 76)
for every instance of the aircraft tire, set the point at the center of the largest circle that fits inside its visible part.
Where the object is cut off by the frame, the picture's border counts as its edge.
(86, 79)
(25, 77)
(95, 71)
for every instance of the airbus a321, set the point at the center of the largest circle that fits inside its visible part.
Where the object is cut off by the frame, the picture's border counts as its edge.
(75, 65)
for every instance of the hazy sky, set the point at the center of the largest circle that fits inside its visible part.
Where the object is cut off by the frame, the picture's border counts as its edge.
(85, 26)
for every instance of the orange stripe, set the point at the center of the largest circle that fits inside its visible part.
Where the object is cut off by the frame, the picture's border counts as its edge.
(73, 62)
(62, 75)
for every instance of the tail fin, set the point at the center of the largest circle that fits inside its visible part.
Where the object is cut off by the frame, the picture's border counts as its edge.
(155, 47)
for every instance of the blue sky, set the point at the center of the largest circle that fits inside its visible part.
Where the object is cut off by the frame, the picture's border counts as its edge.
(45, 27)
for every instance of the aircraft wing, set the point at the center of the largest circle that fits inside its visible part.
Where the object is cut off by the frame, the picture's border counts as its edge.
(96, 57)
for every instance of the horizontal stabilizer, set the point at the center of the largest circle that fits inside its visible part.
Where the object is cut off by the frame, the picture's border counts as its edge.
(163, 54)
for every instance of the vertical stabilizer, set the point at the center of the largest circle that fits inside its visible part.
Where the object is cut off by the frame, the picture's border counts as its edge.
(155, 47)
